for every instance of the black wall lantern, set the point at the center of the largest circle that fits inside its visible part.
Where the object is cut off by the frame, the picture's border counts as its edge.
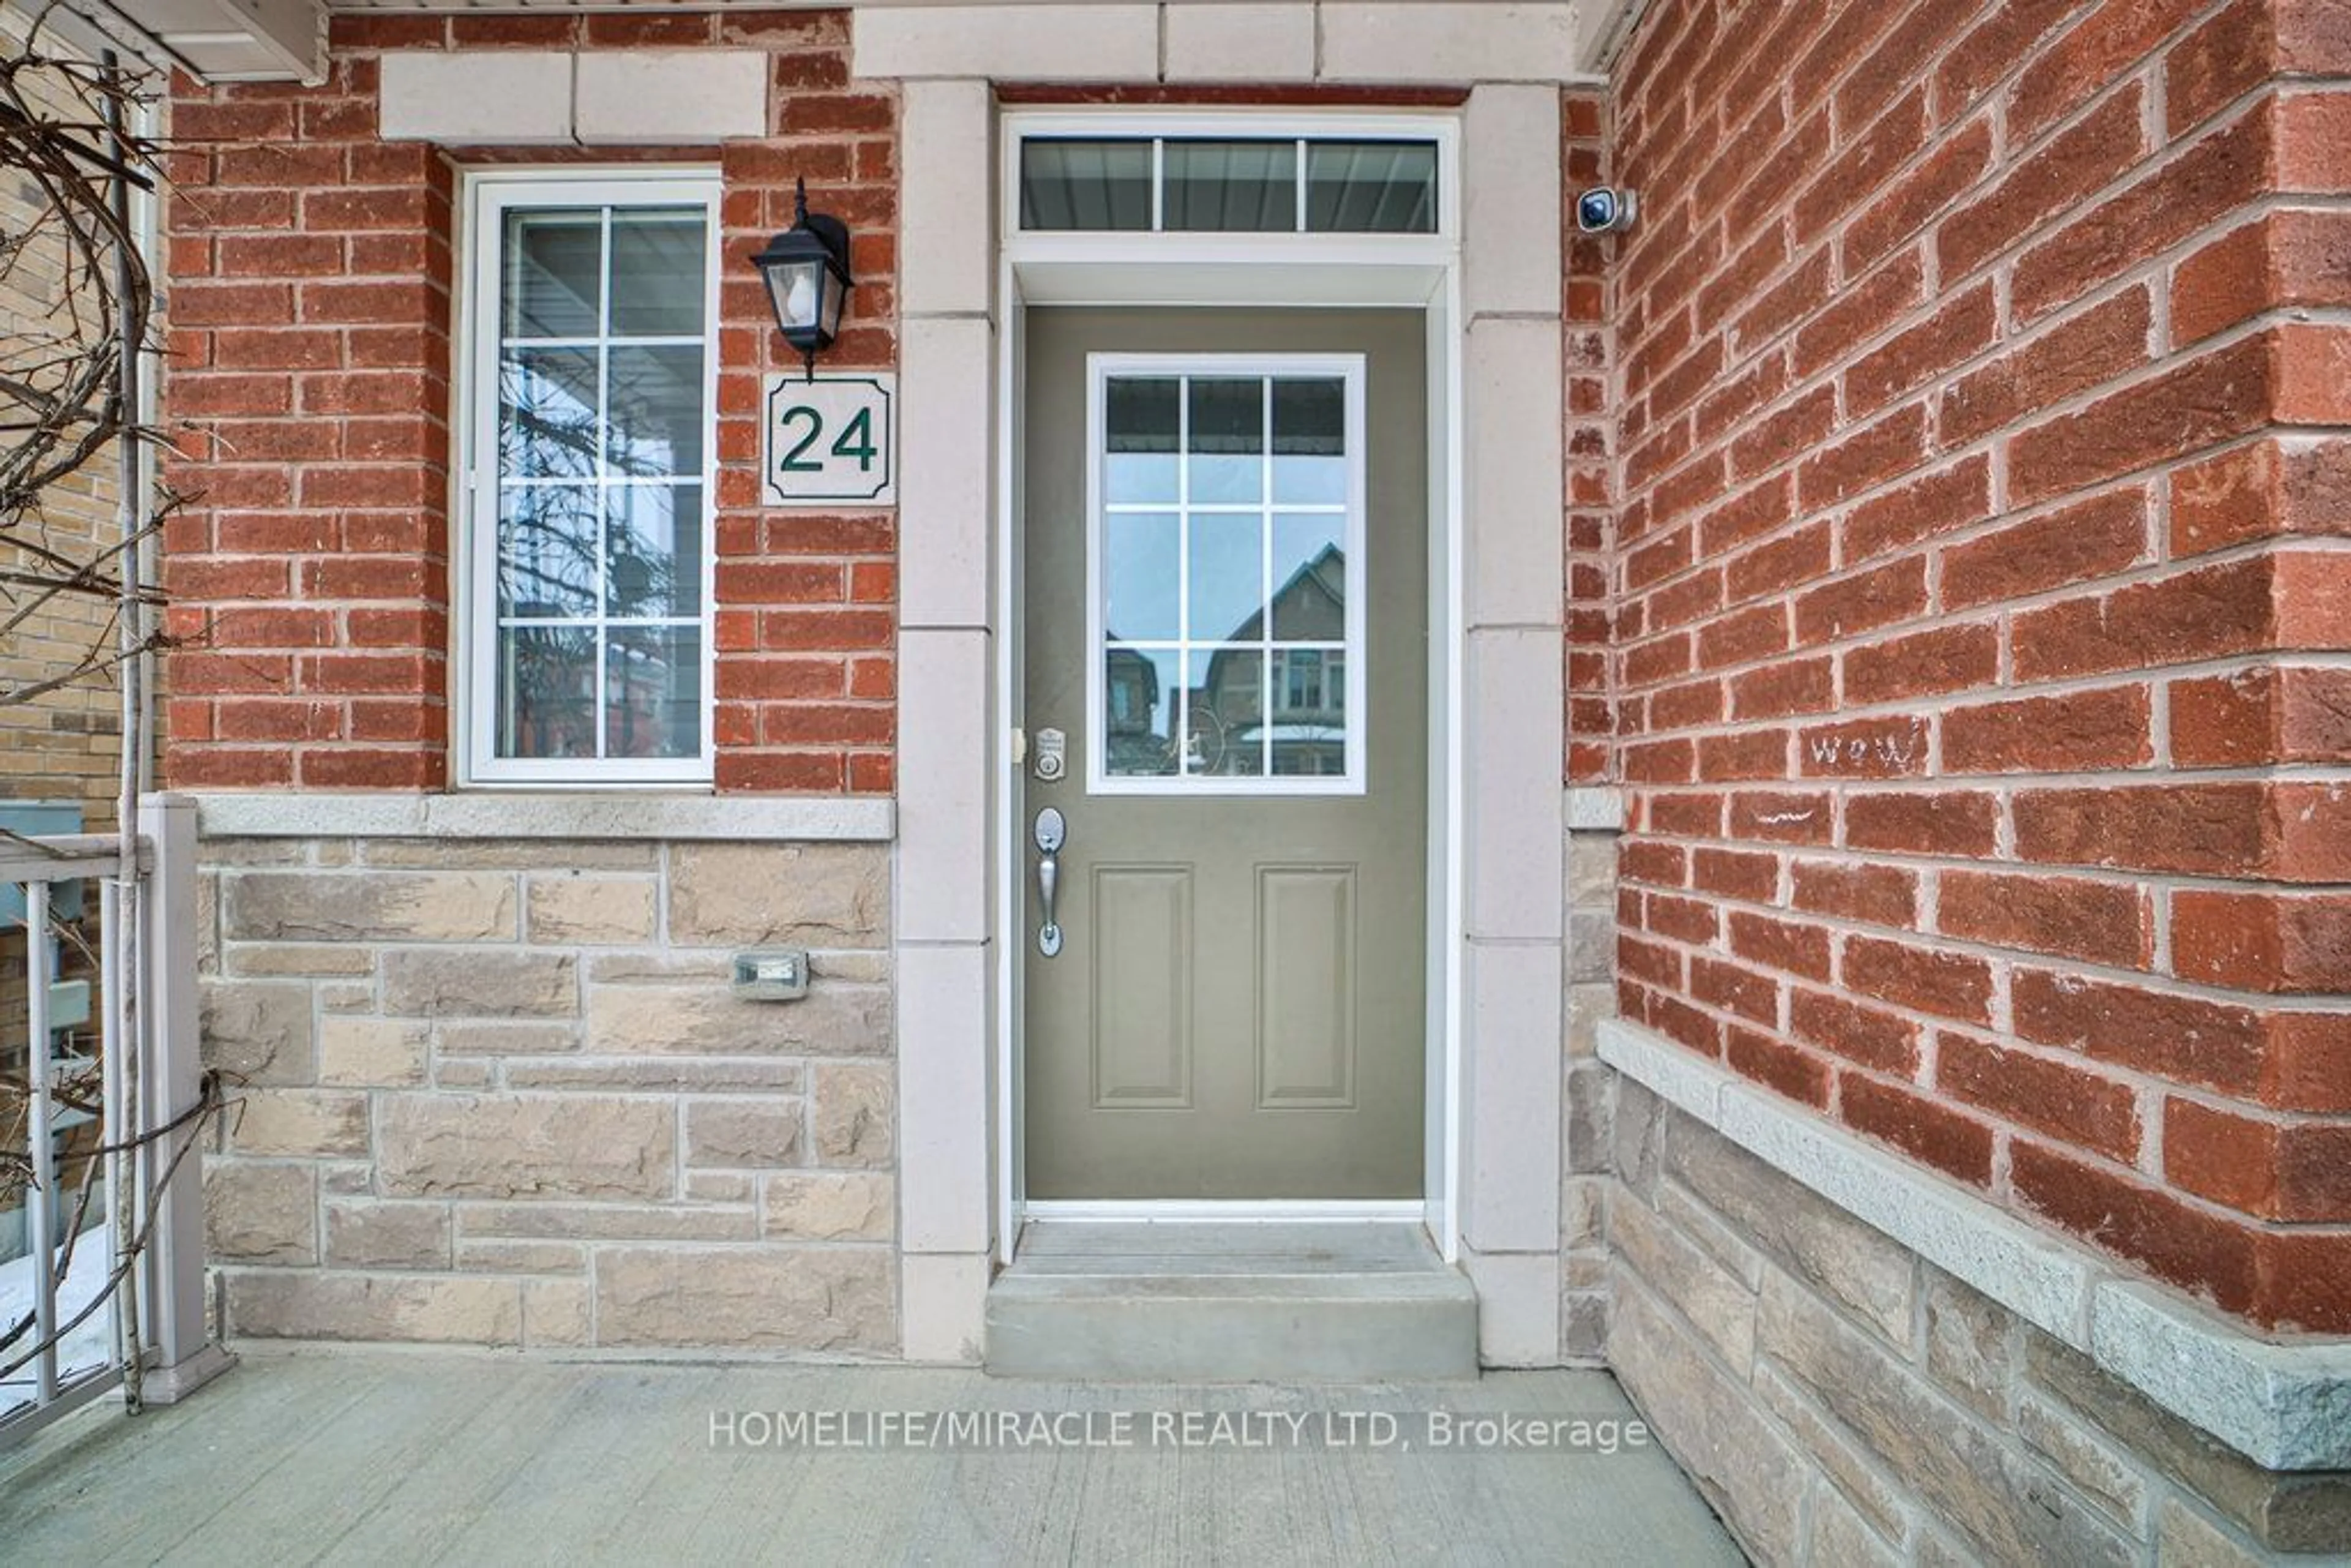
(807, 272)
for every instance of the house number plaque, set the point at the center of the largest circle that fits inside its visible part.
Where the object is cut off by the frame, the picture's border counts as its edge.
(830, 441)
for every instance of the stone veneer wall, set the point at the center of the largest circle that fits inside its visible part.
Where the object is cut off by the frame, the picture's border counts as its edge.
(495, 1092)
(1841, 1400)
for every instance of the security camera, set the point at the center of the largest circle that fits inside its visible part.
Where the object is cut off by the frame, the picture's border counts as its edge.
(1605, 209)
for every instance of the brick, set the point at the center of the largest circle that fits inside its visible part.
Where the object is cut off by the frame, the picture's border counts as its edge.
(1727, 987)
(2211, 829)
(1940, 823)
(1941, 502)
(1959, 331)
(2076, 162)
(2045, 1094)
(2124, 1215)
(1859, 1034)
(2194, 189)
(1792, 1071)
(1950, 985)
(2197, 402)
(1925, 663)
(1775, 691)
(1913, 200)
(1736, 873)
(1737, 639)
(2187, 1039)
(2099, 923)
(2263, 713)
(1929, 1131)
(2073, 545)
(2278, 1170)
(1853, 605)
(2073, 733)
(1798, 949)
(1863, 458)
(1887, 747)
(1805, 818)
(2262, 941)
(2297, 485)
(2068, 357)
(2200, 613)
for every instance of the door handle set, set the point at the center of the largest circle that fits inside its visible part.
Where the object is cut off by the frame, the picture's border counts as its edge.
(1050, 832)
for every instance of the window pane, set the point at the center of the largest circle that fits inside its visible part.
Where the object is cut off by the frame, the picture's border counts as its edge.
(547, 692)
(547, 413)
(554, 261)
(1225, 737)
(1309, 427)
(1142, 415)
(547, 551)
(1309, 577)
(1085, 185)
(652, 691)
(658, 273)
(1231, 187)
(1371, 187)
(655, 411)
(1228, 586)
(1228, 442)
(1139, 702)
(1310, 712)
(652, 550)
(1141, 571)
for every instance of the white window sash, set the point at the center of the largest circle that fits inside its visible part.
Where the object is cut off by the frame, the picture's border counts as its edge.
(489, 195)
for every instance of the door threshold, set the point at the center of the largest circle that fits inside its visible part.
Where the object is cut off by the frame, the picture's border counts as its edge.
(1207, 1211)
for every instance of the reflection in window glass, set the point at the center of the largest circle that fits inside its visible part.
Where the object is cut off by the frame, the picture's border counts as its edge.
(1230, 187)
(601, 492)
(1225, 724)
(1225, 441)
(1371, 187)
(1077, 184)
(1224, 610)
(1142, 703)
(1142, 576)
(554, 273)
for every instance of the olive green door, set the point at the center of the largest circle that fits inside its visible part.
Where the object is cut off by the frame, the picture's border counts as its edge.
(1225, 603)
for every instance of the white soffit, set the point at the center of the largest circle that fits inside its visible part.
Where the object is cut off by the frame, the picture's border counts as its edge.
(218, 40)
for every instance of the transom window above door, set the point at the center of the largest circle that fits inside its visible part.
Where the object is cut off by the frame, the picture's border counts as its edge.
(1227, 185)
(1226, 563)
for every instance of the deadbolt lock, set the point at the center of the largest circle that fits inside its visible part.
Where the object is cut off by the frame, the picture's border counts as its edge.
(1052, 755)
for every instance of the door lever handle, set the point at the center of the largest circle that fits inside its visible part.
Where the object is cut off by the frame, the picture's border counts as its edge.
(1050, 832)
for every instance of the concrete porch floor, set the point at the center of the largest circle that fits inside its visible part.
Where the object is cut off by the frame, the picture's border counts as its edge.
(347, 1455)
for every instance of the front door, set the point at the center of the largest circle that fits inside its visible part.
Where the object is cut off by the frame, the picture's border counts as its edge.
(1227, 620)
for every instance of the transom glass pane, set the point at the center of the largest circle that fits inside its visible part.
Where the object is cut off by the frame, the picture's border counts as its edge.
(603, 399)
(1371, 187)
(1225, 584)
(1293, 185)
(1232, 187)
(1073, 184)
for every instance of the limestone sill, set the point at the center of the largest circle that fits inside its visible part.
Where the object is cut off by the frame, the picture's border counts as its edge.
(2284, 1407)
(673, 818)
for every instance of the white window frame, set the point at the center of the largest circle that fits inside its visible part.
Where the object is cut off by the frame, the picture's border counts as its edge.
(487, 195)
(1346, 368)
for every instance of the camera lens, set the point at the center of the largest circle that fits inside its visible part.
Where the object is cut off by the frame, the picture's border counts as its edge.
(1596, 209)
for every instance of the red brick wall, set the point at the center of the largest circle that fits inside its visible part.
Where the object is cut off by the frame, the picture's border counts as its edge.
(1984, 491)
(310, 320)
(1589, 445)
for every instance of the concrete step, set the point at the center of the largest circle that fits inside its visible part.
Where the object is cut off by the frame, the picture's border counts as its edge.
(1203, 1302)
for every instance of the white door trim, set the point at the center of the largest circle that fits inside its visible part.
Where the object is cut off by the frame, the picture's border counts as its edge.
(1499, 307)
(1411, 271)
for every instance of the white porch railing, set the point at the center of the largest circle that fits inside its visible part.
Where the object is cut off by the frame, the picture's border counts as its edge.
(101, 1170)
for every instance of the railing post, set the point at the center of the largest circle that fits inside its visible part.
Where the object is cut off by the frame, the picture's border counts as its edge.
(171, 1083)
